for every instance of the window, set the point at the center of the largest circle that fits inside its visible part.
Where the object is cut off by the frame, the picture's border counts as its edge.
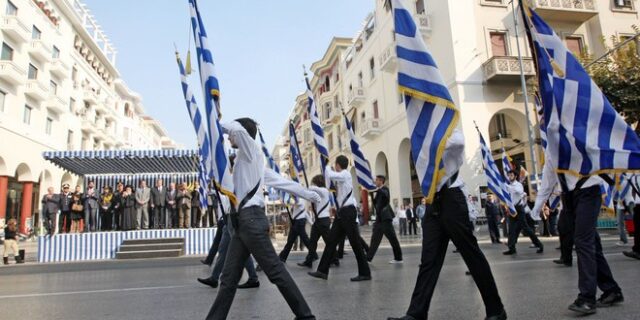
(33, 72)
(72, 104)
(36, 34)
(575, 45)
(53, 87)
(501, 125)
(627, 4)
(7, 52)
(360, 80)
(26, 116)
(330, 141)
(327, 110)
(3, 95)
(498, 44)
(372, 68)
(48, 126)
(11, 10)
(74, 76)
(69, 140)
(376, 115)
(420, 6)
(55, 54)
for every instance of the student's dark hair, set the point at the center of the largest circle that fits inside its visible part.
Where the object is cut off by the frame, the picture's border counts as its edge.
(249, 125)
(343, 162)
(318, 181)
(382, 177)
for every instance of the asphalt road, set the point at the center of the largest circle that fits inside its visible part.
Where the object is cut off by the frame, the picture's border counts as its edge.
(530, 285)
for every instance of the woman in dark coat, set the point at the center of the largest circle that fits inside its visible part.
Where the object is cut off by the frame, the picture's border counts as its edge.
(129, 204)
(106, 209)
(77, 213)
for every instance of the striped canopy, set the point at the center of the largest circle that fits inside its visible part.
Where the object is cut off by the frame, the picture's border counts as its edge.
(125, 161)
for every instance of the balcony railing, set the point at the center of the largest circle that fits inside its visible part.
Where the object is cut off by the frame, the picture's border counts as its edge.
(356, 96)
(56, 104)
(36, 90)
(388, 59)
(565, 10)
(90, 96)
(40, 50)
(59, 68)
(15, 29)
(424, 22)
(370, 127)
(507, 68)
(11, 72)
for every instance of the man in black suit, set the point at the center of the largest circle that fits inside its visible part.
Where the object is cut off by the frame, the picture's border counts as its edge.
(50, 207)
(158, 203)
(492, 210)
(412, 219)
(66, 199)
(384, 222)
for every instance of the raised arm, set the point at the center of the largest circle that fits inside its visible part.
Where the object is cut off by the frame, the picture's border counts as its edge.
(330, 174)
(241, 138)
(272, 179)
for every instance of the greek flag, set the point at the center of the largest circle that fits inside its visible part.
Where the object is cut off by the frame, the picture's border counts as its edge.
(363, 170)
(431, 113)
(219, 169)
(506, 164)
(495, 180)
(267, 154)
(296, 166)
(201, 133)
(585, 135)
(316, 127)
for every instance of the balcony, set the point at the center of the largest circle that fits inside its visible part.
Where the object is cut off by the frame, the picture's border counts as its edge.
(88, 123)
(370, 128)
(356, 97)
(90, 96)
(59, 68)
(11, 72)
(565, 10)
(36, 90)
(15, 29)
(40, 51)
(424, 23)
(507, 68)
(56, 104)
(388, 60)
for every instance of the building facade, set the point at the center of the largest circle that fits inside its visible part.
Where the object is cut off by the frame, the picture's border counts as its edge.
(475, 45)
(59, 90)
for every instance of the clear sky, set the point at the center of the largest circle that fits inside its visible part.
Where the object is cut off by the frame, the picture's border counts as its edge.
(259, 48)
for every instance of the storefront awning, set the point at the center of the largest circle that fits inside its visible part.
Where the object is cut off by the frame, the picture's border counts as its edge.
(125, 161)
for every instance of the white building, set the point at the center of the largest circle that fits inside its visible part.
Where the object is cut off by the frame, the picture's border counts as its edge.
(59, 90)
(475, 47)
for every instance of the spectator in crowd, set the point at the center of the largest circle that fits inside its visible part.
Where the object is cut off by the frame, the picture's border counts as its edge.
(129, 209)
(412, 220)
(50, 207)
(91, 208)
(196, 209)
(66, 199)
(208, 220)
(401, 213)
(158, 204)
(106, 209)
(77, 212)
(117, 206)
(546, 215)
(143, 196)
(553, 221)
(492, 211)
(11, 242)
(172, 207)
(421, 210)
(183, 200)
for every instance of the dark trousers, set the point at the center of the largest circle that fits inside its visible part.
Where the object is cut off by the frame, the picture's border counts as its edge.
(64, 223)
(494, 232)
(196, 216)
(413, 225)
(209, 220)
(384, 228)
(566, 226)
(451, 223)
(117, 218)
(553, 223)
(106, 217)
(320, 228)
(340, 253)
(345, 225)
(216, 243)
(252, 238)
(519, 224)
(297, 230)
(593, 269)
(636, 231)
(50, 222)
(158, 217)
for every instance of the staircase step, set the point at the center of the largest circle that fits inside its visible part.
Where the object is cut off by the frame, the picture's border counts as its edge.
(151, 246)
(152, 241)
(146, 254)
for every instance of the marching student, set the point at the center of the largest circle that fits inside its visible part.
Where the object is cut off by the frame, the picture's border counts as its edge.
(448, 219)
(251, 236)
(519, 223)
(384, 222)
(322, 224)
(345, 223)
(298, 228)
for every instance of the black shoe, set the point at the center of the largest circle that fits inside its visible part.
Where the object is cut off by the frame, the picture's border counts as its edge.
(209, 282)
(336, 263)
(319, 275)
(540, 249)
(583, 307)
(632, 254)
(509, 252)
(562, 262)
(306, 264)
(468, 273)
(609, 299)
(205, 262)
(402, 318)
(361, 278)
(249, 284)
(501, 316)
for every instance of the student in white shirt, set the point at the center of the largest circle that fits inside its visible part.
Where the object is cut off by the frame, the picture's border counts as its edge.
(322, 224)
(345, 223)
(298, 218)
(519, 223)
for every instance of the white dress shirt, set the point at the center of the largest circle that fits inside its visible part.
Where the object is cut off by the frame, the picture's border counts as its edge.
(325, 199)
(300, 210)
(453, 159)
(344, 184)
(516, 191)
(402, 213)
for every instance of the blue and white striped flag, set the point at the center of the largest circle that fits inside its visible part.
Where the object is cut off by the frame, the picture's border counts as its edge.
(316, 127)
(495, 180)
(554, 200)
(211, 90)
(506, 164)
(272, 163)
(431, 113)
(363, 169)
(585, 135)
(201, 133)
(296, 166)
